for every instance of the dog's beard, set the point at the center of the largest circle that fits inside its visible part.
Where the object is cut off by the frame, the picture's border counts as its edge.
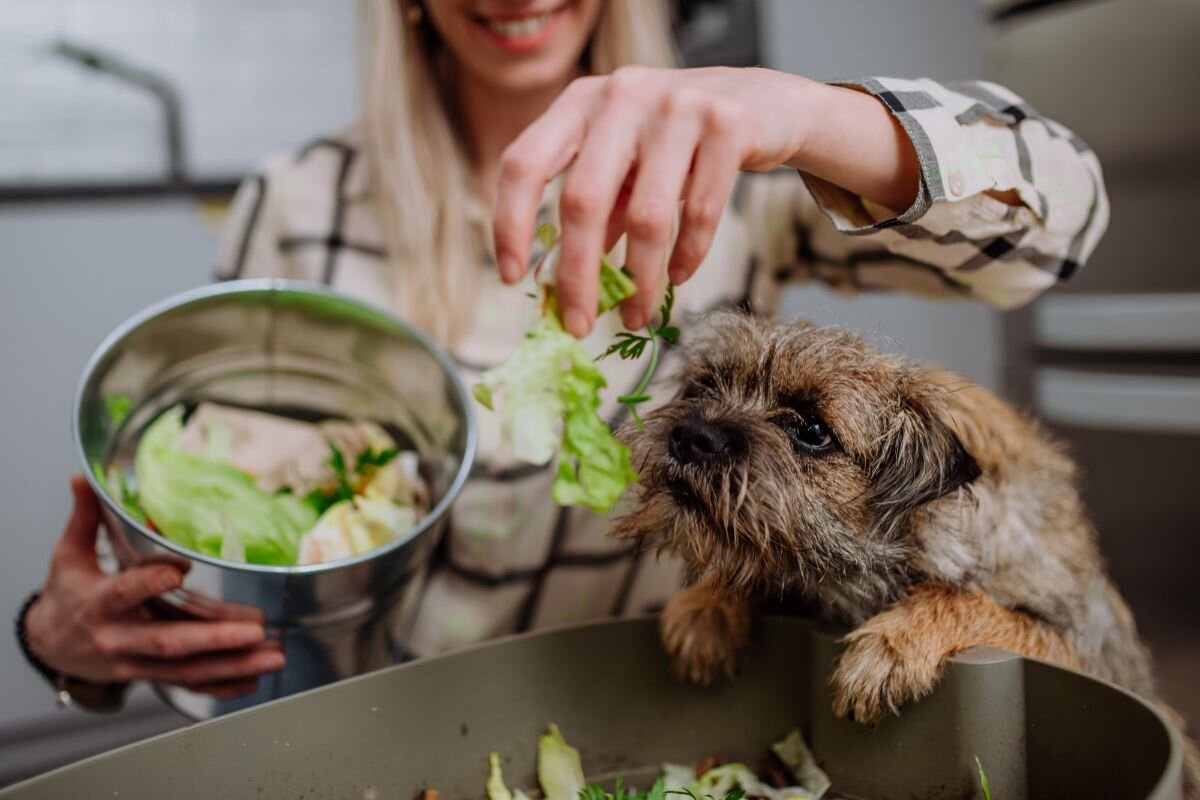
(734, 519)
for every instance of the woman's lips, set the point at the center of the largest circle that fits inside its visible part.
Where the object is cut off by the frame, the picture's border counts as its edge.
(519, 34)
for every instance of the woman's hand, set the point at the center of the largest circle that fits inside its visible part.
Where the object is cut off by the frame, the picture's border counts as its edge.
(640, 140)
(92, 626)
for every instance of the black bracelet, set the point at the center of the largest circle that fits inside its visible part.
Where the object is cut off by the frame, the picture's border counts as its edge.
(23, 640)
(53, 676)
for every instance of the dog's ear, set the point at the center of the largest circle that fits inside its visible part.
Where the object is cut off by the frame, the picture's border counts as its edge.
(920, 457)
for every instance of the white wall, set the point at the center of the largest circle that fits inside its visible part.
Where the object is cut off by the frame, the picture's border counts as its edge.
(255, 78)
(68, 275)
(943, 39)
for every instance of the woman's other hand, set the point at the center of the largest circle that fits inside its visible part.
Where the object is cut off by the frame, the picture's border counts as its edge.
(92, 626)
(640, 140)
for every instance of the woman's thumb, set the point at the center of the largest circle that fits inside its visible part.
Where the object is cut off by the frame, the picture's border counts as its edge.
(79, 535)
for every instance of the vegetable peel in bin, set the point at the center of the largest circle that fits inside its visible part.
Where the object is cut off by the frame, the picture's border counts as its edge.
(560, 776)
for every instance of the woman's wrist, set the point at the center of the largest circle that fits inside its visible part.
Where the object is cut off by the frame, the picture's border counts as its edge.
(31, 629)
(28, 631)
(850, 139)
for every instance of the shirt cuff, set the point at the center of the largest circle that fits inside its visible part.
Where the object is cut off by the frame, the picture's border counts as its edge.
(951, 168)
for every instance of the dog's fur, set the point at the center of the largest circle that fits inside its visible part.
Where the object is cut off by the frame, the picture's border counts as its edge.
(937, 518)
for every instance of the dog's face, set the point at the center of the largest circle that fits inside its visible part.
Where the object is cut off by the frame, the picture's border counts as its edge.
(792, 454)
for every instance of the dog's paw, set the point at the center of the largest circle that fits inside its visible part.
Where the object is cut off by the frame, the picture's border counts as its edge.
(873, 678)
(704, 633)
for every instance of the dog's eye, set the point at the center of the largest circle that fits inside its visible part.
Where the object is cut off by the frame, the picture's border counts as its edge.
(807, 432)
(704, 386)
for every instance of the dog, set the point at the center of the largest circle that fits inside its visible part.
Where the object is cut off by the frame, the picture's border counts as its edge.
(798, 461)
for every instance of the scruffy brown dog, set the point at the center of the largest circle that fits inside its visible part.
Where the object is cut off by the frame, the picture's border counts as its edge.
(903, 500)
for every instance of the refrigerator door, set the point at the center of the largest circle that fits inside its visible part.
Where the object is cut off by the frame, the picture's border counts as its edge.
(1145, 323)
(1112, 360)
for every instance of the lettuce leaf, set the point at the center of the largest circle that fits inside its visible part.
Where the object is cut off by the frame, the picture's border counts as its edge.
(529, 385)
(594, 467)
(794, 752)
(737, 780)
(197, 501)
(559, 769)
(615, 286)
(114, 485)
(550, 394)
(496, 790)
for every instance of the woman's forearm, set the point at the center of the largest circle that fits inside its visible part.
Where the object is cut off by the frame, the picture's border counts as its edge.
(853, 141)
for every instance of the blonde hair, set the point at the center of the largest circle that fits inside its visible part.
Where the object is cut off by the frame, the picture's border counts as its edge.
(420, 181)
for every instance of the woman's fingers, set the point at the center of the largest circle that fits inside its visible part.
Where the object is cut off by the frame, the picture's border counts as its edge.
(78, 541)
(715, 168)
(587, 200)
(676, 134)
(663, 165)
(616, 218)
(537, 156)
(200, 670)
(180, 639)
(131, 588)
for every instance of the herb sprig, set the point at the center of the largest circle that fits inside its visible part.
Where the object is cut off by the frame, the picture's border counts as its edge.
(347, 481)
(983, 781)
(594, 791)
(630, 346)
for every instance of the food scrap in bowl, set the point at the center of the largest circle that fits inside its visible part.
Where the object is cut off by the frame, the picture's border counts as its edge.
(259, 488)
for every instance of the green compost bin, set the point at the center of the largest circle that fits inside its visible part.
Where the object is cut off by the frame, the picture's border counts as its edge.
(1039, 731)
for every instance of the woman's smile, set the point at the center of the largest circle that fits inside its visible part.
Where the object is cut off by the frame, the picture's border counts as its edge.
(518, 33)
(515, 46)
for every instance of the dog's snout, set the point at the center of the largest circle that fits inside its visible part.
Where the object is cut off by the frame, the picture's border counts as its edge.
(693, 441)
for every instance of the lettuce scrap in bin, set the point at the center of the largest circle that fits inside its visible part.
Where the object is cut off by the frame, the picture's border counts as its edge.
(560, 775)
(560, 771)
(496, 790)
(737, 779)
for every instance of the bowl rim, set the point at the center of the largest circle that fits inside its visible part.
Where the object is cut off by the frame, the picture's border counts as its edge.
(272, 286)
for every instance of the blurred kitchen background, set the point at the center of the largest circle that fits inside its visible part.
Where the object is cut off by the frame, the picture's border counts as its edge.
(126, 124)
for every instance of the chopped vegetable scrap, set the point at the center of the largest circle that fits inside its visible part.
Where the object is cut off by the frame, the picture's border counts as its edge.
(260, 488)
(548, 393)
(560, 776)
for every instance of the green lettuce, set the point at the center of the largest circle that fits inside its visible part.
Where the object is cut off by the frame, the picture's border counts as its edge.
(530, 385)
(114, 485)
(118, 405)
(210, 506)
(559, 769)
(794, 752)
(983, 781)
(615, 286)
(496, 790)
(738, 780)
(550, 394)
(594, 467)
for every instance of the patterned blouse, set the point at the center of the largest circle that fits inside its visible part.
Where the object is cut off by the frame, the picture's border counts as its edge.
(512, 559)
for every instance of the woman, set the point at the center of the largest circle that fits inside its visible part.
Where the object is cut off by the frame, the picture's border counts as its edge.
(956, 190)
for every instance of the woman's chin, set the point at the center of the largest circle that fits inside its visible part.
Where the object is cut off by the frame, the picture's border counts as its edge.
(527, 76)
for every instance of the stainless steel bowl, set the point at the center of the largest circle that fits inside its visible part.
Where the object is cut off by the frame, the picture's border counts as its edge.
(299, 348)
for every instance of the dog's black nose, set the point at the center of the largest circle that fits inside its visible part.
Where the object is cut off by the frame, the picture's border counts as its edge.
(693, 441)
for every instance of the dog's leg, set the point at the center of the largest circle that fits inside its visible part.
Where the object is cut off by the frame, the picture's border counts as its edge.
(897, 656)
(705, 630)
